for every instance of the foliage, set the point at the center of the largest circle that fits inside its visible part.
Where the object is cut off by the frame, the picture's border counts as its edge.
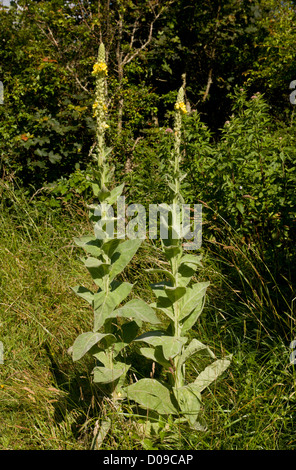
(250, 175)
(182, 303)
(115, 326)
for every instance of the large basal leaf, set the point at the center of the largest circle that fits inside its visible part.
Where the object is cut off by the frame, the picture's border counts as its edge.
(211, 373)
(85, 342)
(189, 401)
(105, 375)
(137, 310)
(122, 256)
(152, 395)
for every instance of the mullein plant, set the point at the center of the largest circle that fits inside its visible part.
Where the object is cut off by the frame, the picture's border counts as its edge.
(181, 300)
(114, 325)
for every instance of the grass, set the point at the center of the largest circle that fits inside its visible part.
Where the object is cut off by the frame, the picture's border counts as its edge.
(49, 402)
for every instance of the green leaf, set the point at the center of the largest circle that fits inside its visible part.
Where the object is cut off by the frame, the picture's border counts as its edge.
(97, 269)
(172, 251)
(175, 293)
(156, 355)
(90, 244)
(122, 256)
(152, 395)
(191, 319)
(193, 298)
(171, 345)
(85, 342)
(101, 433)
(194, 347)
(189, 401)
(138, 310)
(106, 375)
(168, 311)
(165, 272)
(104, 304)
(112, 198)
(211, 373)
(240, 207)
(84, 293)
(127, 333)
(187, 269)
(109, 246)
(152, 337)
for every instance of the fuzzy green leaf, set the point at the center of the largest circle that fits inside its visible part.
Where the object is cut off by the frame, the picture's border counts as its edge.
(211, 373)
(97, 269)
(165, 273)
(138, 310)
(114, 194)
(156, 355)
(187, 269)
(175, 293)
(193, 298)
(171, 345)
(122, 256)
(104, 304)
(189, 401)
(106, 375)
(152, 395)
(90, 244)
(194, 347)
(85, 342)
(84, 293)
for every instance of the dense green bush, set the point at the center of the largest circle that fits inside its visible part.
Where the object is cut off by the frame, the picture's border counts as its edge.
(248, 176)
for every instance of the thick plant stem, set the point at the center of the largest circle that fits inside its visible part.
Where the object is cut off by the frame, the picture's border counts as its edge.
(178, 375)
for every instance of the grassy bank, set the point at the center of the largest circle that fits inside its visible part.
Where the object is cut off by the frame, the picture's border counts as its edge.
(49, 402)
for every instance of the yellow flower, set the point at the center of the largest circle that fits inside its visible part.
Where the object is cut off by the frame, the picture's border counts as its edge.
(95, 105)
(100, 67)
(181, 106)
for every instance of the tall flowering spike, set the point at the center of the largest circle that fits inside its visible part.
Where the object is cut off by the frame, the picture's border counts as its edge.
(180, 109)
(180, 105)
(100, 71)
(101, 53)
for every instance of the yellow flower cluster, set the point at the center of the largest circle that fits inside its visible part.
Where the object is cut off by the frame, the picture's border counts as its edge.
(100, 67)
(181, 106)
(95, 105)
